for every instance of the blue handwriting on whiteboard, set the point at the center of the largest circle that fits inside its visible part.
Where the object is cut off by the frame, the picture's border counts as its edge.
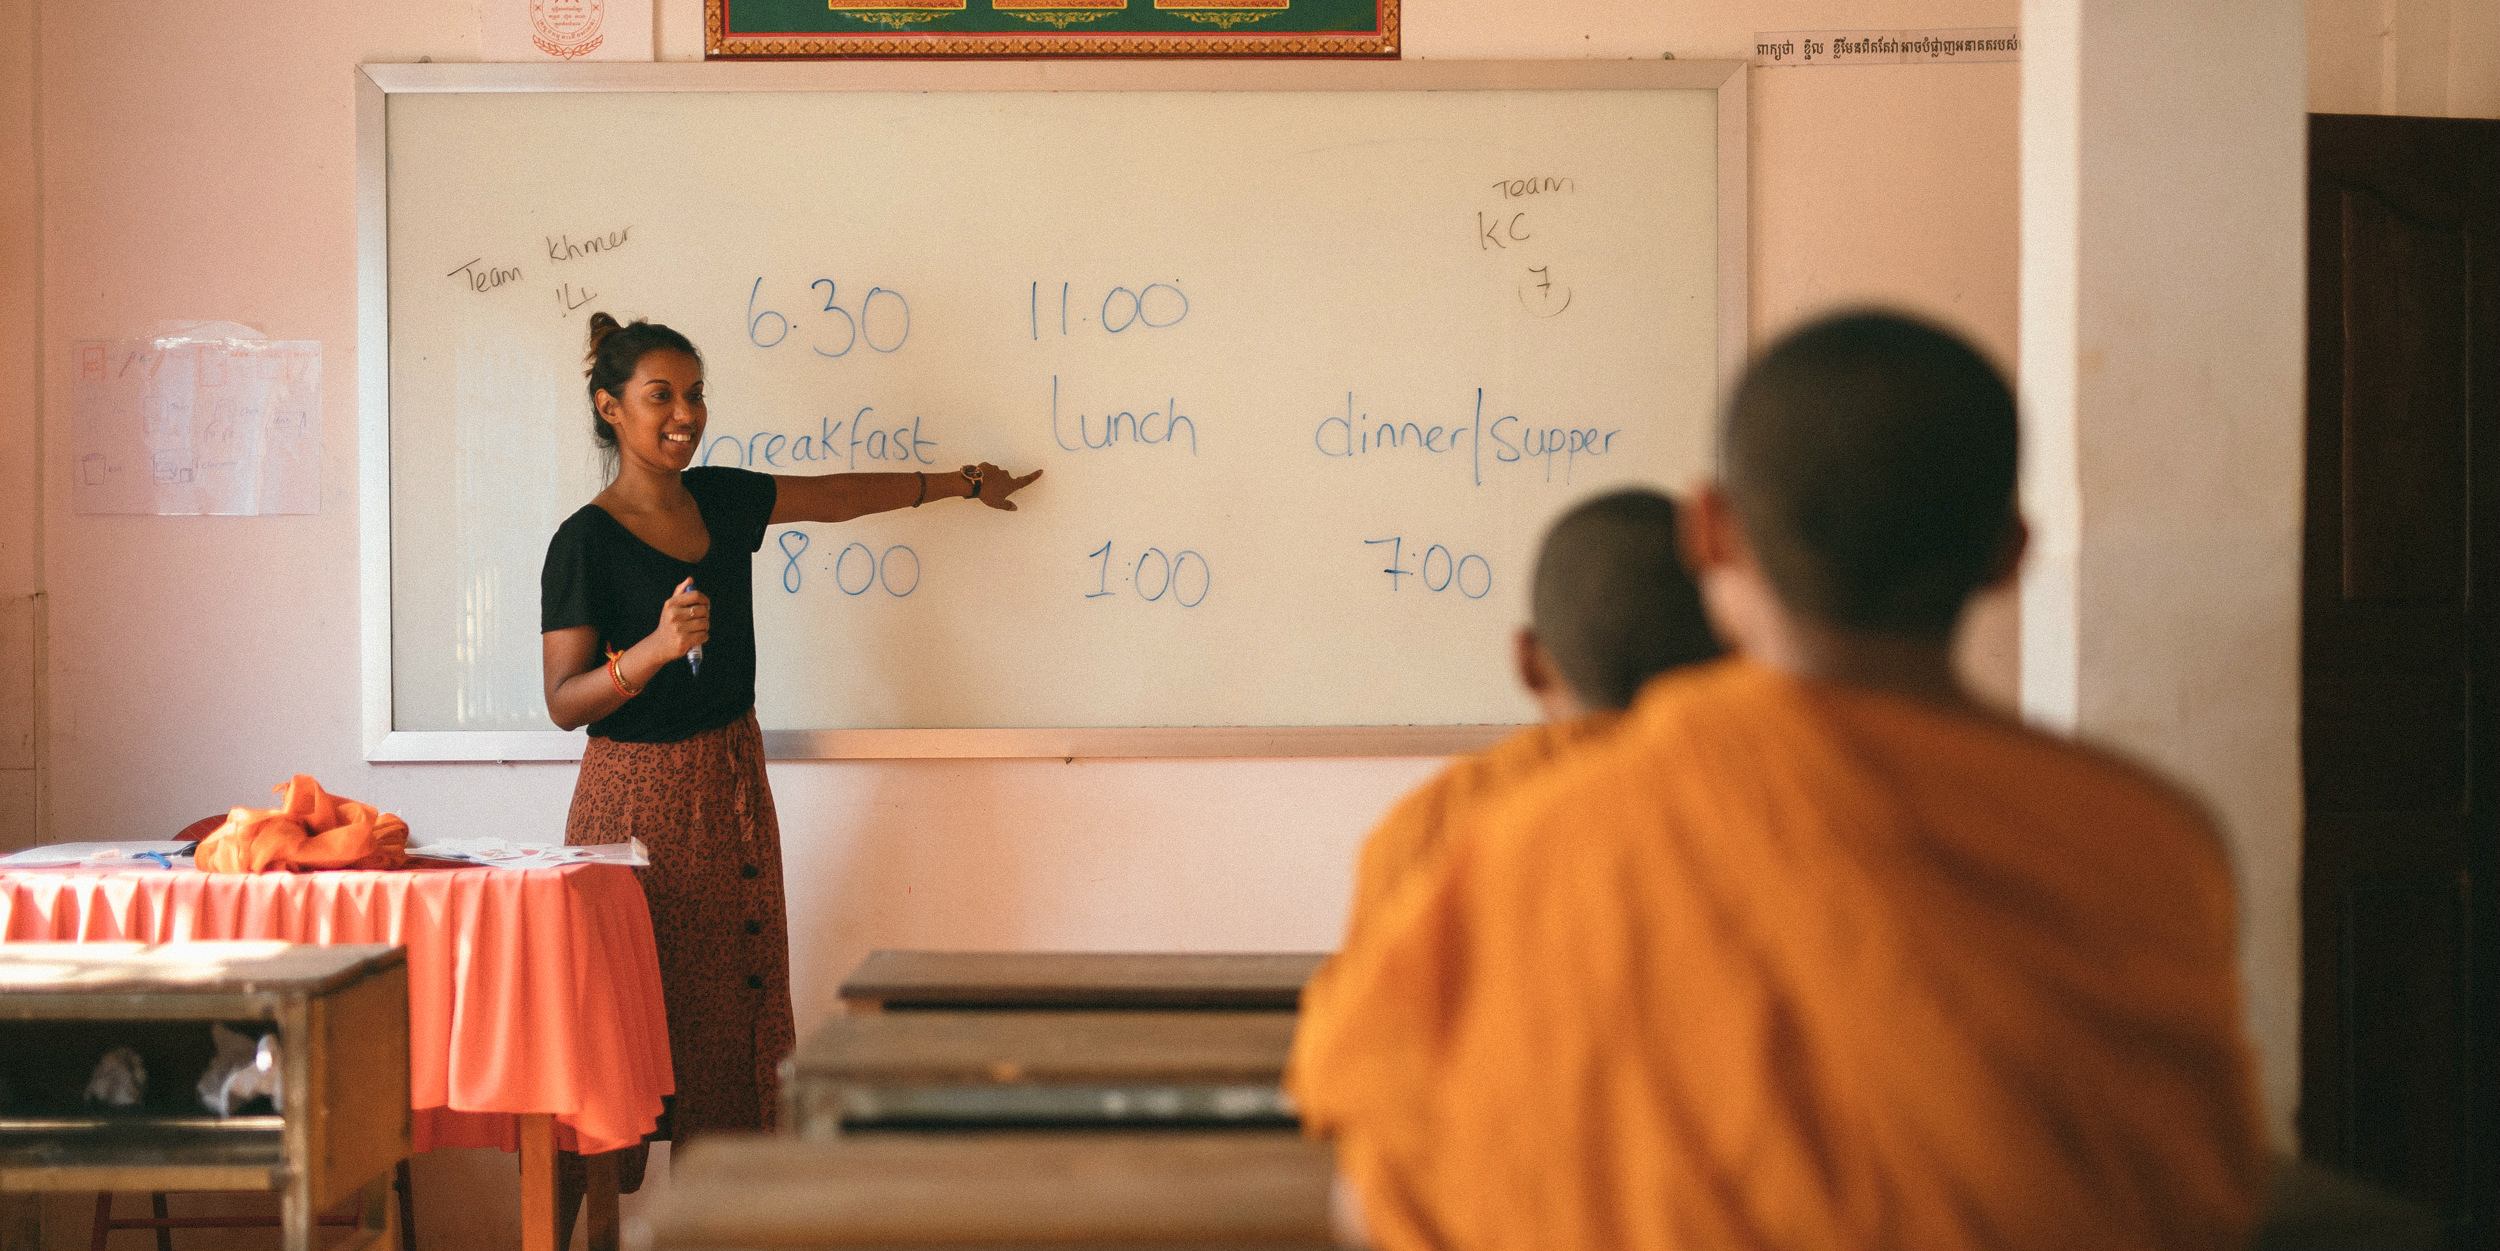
(1155, 306)
(1513, 439)
(790, 573)
(845, 443)
(897, 569)
(1157, 427)
(883, 321)
(1167, 573)
(1453, 569)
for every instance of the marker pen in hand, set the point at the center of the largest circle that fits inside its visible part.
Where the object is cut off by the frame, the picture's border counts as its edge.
(694, 656)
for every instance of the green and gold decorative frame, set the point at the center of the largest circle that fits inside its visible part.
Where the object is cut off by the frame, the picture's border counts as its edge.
(820, 29)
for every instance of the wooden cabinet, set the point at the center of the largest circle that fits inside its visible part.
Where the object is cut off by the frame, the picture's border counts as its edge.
(341, 1018)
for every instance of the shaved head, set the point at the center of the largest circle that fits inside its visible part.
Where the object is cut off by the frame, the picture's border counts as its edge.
(1613, 605)
(1870, 460)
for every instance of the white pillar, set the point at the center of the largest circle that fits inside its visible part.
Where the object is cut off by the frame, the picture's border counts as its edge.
(2164, 154)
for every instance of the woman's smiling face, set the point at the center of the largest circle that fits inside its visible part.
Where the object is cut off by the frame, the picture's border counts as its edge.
(659, 418)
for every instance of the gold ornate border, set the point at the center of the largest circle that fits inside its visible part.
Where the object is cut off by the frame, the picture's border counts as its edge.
(958, 44)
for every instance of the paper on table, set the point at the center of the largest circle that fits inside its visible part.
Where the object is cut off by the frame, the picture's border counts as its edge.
(501, 853)
(207, 418)
(124, 855)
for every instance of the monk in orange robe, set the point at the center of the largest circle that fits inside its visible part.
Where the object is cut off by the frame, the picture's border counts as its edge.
(1813, 952)
(1610, 607)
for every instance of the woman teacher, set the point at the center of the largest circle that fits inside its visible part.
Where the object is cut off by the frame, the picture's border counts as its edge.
(649, 637)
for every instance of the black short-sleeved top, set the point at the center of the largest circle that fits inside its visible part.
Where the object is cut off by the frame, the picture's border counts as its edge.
(598, 574)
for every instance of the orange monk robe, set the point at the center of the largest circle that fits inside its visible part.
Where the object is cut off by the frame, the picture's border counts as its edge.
(1415, 830)
(1413, 834)
(1785, 964)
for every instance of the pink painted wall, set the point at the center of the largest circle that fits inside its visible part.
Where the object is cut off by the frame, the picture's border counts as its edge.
(197, 162)
(20, 422)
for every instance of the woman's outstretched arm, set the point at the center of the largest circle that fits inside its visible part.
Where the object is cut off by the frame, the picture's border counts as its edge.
(843, 496)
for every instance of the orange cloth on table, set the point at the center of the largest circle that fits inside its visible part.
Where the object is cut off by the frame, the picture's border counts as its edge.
(1790, 964)
(309, 829)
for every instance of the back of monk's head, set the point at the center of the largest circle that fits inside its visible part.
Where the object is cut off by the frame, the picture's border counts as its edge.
(1870, 459)
(1613, 605)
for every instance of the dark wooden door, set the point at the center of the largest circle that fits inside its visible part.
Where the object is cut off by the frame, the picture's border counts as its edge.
(2400, 662)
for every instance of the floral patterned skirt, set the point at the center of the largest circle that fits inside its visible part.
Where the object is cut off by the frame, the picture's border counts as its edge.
(704, 812)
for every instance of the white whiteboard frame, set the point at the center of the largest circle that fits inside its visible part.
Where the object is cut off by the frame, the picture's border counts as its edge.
(376, 83)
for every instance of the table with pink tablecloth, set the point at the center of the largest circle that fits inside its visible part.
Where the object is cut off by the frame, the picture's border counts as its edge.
(529, 991)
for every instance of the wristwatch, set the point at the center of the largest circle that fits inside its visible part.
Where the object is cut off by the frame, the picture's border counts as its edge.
(972, 474)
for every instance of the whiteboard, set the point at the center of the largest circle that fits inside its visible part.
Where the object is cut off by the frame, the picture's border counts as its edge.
(1310, 354)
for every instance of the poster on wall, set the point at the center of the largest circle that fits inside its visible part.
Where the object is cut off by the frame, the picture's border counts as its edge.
(210, 421)
(542, 31)
(803, 29)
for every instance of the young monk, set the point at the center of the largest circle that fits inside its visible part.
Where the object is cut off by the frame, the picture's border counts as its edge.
(1610, 608)
(1813, 951)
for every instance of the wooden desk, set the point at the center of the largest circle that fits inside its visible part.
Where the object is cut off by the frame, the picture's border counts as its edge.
(934, 1070)
(1172, 1191)
(1078, 980)
(342, 1020)
(534, 1014)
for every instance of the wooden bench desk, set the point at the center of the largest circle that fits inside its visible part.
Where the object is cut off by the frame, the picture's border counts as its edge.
(342, 1021)
(1172, 1191)
(934, 1070)
(1078, 980)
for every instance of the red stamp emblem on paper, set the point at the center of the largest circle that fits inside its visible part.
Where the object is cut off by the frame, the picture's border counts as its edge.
(566, 28)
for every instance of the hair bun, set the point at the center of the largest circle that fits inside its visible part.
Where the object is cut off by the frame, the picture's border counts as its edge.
(601, 326)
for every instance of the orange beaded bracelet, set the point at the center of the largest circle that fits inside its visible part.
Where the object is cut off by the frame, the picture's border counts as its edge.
(618, 679)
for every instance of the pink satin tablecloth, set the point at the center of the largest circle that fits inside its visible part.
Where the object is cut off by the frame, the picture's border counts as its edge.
(532, 990)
